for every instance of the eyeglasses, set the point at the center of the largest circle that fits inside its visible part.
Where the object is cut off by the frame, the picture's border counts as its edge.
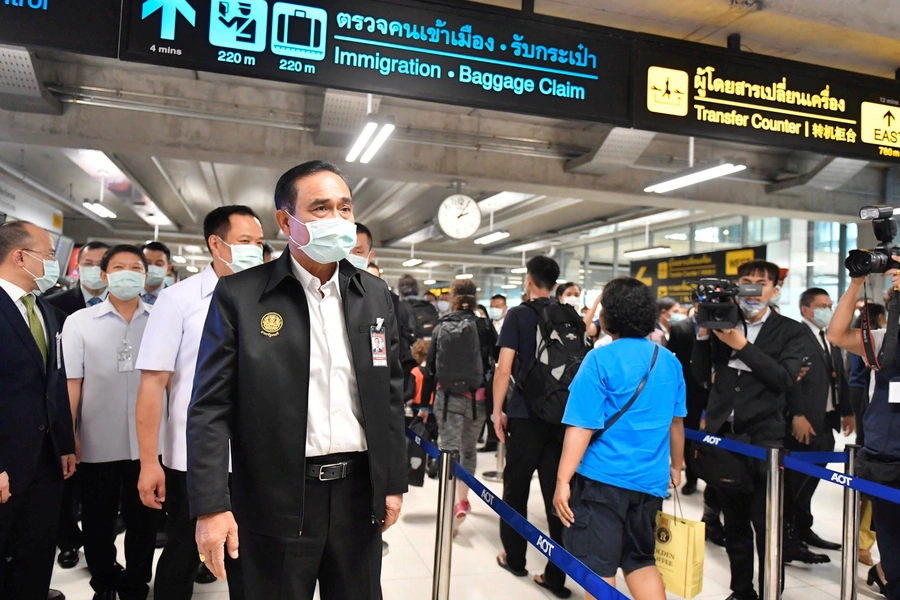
(51, 254)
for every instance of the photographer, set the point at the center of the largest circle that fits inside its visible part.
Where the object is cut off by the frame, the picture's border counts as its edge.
(879, 460)
(756, 364)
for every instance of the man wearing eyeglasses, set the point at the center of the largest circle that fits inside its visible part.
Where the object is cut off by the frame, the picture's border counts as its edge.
(37, 441)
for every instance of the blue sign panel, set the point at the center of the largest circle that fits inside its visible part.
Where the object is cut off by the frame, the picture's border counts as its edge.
(489, 59)
(83, 26)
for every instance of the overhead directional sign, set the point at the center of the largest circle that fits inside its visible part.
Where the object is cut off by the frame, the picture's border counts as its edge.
(475, 57)
(692, 89)
(82, 26)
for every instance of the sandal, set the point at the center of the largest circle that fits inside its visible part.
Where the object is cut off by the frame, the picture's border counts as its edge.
(559, 593)
(501, 560)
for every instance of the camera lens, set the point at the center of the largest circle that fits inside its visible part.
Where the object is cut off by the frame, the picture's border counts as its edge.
(861, 262)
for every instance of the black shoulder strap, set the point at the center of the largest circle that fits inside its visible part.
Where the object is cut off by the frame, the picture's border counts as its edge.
(630, 403)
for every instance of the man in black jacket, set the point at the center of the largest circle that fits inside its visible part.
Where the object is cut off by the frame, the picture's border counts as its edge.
(819, 406)
(756, 365)
(37, 440)
(292, 370)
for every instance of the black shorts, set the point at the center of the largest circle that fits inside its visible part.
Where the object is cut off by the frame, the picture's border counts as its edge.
(613, 527)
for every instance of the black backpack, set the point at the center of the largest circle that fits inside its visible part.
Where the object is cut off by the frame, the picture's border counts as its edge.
(459, 365)
(423, 318)
(562, 344)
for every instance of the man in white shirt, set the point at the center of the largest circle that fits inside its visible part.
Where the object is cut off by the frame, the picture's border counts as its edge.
(167, 361)
(101, 344)
(37, 443)
(159, 260)
(292, 369)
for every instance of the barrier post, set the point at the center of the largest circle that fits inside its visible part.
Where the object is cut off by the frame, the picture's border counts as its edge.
(774, 522)
(850, 553)
(443, 546)
(497, 476)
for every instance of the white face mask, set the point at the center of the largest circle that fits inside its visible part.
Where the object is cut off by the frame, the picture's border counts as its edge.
(156, 275)
(243, 256)
(360, 262)
(443, 306)
(573, 301)
(50, 276)
(126, 285)
(751, 308)
(330, 240)
(90, 278)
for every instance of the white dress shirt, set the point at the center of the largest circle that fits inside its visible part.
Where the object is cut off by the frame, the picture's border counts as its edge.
(89, 296)
(171, 344)
(91, 341)
(16, 294)
(752, 333)
(335, 421)
(816, 333)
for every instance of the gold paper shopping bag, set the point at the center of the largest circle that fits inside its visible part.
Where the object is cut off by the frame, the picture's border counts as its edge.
(680, 546)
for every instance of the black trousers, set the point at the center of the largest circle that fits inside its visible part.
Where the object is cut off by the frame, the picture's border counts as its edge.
(531, 444)
(104, 488)
(799, 488)
(69, 533)
(28, 528)
(886, 519)
(340, 548)
(177, 566)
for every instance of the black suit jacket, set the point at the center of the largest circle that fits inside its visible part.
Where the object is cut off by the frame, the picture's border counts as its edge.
(681, 344)
(69, 301)
(810, 396)
(758, 399)
(252, 389)
(34, 398)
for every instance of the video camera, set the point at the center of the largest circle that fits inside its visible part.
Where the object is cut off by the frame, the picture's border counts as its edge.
(864, 262)
(718, 302)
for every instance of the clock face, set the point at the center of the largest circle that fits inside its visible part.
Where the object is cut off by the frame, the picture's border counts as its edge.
(459, 217)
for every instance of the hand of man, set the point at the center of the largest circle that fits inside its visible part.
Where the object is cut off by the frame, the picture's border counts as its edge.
(500, 422)
(561, 503)
(849, 424)
(4, 487)
(675, 475)
(803, 430)
(152, 485)
(68, 465)
(734, 338)
(392, 506)
(214, 533)
(423, 414)
(803, 371)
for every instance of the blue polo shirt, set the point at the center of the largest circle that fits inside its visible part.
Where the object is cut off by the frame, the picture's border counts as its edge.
(634, 454)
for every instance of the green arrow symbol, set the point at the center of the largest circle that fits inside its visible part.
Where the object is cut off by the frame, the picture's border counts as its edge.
(889, 117)
(170, 10)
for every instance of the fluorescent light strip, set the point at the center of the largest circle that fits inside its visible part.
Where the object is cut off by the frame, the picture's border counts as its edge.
(179, 259)
(361, 141)
(519, 270)
(465, 276)
(386, 130)
(681, 181)
(192, 269)
(412, 262)
(492, 237)
(99, 210)
(648, 252)
(508, 286)
(429, 282)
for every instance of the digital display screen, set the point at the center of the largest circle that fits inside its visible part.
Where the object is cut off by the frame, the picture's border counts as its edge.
(82, 26)
(461, 56)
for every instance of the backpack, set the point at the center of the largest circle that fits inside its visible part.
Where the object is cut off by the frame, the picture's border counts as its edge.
(562, 344)
(423, 318)
(459, 367)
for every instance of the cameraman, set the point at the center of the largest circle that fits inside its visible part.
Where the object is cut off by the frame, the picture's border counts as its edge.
(879, 460)
(756, 364)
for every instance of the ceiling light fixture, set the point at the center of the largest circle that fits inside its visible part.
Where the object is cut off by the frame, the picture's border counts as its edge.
(519, 270)
(465, 276)
(99, 210)
(192, 269)
(508, 286)
(179, 259)
(359, 149)
(648, 252)
(492, 237)
(429, 282)
(412, 262)
(694, 176)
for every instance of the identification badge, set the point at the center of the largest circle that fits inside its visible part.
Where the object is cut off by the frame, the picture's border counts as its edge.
(125, 357)
(894, 392)
(379, 344)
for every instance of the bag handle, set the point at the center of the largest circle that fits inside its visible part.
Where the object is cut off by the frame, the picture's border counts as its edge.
(630, 403)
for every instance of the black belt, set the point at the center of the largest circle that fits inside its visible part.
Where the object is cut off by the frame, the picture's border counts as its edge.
(333, 471)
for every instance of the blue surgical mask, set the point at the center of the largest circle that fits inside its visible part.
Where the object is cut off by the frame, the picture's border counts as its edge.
(90, 278)
(50, 276)
(360, 262)
(751, 308)
(330, 240)
(126, 285)
(495, 313)
(243, 256)
(677, 317)
(822, 317)
(156, 275)
(169, 280)
(443, 306)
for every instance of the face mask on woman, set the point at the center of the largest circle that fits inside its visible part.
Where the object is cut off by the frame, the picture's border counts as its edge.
(573, 301)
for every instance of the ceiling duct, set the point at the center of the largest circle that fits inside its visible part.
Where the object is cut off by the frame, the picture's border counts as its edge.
(621, 148)
(20, 88)
(343, 114)
(830, 174)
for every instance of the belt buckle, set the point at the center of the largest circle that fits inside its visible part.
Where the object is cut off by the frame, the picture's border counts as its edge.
(342, 465)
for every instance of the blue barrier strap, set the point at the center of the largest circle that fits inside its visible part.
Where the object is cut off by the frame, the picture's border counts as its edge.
(821, 458)
(570, 565)
(861, 485)
(726, 444)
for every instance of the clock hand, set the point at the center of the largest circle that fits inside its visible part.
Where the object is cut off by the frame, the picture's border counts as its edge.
(462, 215)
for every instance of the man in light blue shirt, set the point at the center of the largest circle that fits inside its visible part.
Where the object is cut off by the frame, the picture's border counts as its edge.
(609, 507)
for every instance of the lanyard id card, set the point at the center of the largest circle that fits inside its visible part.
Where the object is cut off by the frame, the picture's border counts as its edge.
(379, 344)
(125, 357)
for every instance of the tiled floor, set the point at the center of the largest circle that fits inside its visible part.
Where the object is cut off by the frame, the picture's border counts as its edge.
(408, 566)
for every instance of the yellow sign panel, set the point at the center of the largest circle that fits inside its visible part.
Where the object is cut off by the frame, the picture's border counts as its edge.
(662, 270)
(667, 91)
(880, 124)
(735, 258)
(642, 277)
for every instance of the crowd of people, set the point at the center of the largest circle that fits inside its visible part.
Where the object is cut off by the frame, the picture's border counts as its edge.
(250, 420)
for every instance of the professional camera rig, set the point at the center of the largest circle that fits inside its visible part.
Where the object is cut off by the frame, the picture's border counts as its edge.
(718, 302)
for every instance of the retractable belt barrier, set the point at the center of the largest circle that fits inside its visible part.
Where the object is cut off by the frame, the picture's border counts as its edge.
(570, 565)
(803, 462)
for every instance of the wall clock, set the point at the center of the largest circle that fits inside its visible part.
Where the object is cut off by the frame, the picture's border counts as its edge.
(459, 217)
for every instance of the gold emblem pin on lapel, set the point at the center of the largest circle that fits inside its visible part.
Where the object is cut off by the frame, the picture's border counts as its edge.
(271, 324)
